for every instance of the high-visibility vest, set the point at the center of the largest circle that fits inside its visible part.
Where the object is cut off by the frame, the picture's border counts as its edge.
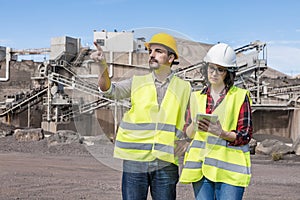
(149, 130)
(211, 156)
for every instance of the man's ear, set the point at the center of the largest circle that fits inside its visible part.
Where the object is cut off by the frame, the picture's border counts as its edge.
(171, 58)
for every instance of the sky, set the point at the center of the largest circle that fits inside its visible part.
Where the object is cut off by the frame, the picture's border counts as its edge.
(29, 24)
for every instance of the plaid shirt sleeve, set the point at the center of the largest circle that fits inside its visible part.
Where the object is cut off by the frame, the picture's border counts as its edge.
(244, 127)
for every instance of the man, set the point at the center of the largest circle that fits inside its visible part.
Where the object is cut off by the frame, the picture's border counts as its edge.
(147, 135)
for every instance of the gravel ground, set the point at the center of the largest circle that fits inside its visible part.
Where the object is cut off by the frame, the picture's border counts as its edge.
(32, 170)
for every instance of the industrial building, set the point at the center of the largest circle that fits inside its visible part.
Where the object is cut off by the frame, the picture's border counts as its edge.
(61, 92)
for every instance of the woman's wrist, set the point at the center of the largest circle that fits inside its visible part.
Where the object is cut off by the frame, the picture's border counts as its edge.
(230, 136)
(190, 131)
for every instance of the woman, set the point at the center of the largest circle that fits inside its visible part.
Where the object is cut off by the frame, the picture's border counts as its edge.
(217, 161)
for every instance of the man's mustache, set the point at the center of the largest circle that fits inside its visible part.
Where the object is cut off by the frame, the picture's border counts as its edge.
(153, 60)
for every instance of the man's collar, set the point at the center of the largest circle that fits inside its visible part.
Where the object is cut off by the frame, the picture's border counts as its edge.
(168, 79)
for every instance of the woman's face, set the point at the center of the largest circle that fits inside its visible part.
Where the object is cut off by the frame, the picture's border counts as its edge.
(216, 74)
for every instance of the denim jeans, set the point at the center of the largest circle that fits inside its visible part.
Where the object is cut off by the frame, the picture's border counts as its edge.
(208, 190)
(160, 176)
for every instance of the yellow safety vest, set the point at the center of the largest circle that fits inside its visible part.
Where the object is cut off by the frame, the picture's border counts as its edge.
(149, 130)
(211, 156)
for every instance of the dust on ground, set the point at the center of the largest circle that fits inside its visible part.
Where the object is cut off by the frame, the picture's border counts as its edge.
(34, 170)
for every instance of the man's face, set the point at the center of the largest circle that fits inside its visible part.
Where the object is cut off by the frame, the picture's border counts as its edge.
(158, 56)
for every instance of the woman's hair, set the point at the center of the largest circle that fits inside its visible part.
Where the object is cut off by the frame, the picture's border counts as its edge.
(229, 78)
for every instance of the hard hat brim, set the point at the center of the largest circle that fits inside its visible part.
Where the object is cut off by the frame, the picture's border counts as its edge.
(147, 45)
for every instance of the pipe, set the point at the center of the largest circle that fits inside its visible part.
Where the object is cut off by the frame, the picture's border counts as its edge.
(8, 58)
(111, 69)
(130, 58)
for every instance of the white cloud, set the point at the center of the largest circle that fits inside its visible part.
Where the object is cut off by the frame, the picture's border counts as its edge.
(7, 43)
(284, 42)
(4, 42)
(284, 58)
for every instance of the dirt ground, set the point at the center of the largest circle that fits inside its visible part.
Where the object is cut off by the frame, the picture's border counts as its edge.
(34, 170)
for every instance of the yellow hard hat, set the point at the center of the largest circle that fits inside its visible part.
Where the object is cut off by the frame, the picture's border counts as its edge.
(164, 39)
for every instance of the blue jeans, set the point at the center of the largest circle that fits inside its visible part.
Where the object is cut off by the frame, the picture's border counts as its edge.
(208, 190)
(160, 176)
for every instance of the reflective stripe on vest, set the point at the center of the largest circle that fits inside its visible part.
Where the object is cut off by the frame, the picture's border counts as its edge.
(227, 166)
(217, 163)
(151, 126)
(130, 145)
(196, 144)
(217, 141)
(218, 160)
(192, 165)
(148, 130)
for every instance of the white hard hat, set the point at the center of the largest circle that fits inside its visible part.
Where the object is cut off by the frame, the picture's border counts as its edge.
(221, 54)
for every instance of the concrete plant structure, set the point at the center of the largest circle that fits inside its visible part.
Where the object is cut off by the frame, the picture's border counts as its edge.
(62, 93)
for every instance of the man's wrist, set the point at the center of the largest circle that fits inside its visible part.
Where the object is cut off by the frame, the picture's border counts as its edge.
(101, 63)
(107, 91)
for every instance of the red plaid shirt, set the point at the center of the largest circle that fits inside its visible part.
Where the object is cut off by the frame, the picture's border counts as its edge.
(244, 127)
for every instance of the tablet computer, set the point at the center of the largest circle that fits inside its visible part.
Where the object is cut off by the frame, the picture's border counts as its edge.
(211, 117)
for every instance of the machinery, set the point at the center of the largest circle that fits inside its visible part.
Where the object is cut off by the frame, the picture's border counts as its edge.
(62, 81)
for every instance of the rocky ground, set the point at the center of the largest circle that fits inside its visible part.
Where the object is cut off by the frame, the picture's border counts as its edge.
(40, 170)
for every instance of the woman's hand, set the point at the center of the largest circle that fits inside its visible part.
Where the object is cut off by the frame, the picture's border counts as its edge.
(216, 129)
(208, 126)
